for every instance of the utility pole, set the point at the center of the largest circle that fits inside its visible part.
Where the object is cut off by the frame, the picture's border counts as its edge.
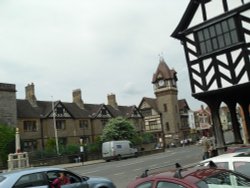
(55, 129)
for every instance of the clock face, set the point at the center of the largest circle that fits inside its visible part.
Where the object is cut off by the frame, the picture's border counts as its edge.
(161, 82)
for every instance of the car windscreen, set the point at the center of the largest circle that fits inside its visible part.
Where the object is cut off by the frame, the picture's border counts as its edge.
(2, 178)
(225, 179)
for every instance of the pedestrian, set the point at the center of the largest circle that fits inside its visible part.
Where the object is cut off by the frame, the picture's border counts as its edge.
(206, 147)
(61, 180)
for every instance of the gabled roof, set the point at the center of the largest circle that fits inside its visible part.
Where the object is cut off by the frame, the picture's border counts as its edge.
(44, 109)
(165, 72)
(182, 103)
(124, 111)
(151, 102)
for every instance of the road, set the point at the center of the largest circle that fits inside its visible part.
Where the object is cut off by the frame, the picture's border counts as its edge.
(124, 171)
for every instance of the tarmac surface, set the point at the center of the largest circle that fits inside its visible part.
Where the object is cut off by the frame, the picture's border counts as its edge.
(72, 165)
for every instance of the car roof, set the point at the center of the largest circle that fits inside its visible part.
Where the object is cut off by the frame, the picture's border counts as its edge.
(231, 155)
(31, 170)
(191, 174)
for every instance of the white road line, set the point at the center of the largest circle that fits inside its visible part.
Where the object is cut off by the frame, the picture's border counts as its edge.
(153, 165)
(89, 172)
(117, 174)
(130, 164)
(137, 169)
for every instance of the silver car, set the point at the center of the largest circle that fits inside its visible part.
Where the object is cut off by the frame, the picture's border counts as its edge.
(42, 177)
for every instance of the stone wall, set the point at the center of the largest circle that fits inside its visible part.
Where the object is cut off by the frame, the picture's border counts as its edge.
(8, 109)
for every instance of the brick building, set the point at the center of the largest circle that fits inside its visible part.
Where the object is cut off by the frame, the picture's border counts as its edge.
(73, 120)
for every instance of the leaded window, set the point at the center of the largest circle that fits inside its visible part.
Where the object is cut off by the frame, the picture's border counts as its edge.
(217, 36)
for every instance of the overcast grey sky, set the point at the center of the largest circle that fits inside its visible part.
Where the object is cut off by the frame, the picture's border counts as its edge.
(98, 46)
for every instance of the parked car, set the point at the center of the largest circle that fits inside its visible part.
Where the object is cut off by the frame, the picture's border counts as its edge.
(42, 177)
(118, 149)
(190, 177)
(239, 162)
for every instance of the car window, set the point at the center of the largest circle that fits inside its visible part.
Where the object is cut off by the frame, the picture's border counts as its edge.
(31, 180)
(2, 178)
(242, 167)
(164, 184)
(224, 180)
(145, 185)
(224, 165)
(52, 175)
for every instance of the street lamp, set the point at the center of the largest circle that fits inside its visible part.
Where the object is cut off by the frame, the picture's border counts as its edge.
(82, 149)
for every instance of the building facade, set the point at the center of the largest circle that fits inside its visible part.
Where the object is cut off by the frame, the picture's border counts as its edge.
(165, 116)
(8, 104)
(75, 120)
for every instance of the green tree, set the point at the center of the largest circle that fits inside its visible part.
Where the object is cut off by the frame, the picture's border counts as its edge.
(118, 129)
(7, 141)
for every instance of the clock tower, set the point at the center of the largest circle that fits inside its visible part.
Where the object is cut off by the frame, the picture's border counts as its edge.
(165, 89)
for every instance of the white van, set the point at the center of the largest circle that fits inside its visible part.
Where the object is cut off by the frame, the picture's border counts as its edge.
(118, 150)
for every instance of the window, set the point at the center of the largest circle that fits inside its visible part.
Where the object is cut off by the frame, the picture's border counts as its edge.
(119, 146)
(145, 185)
(224, 179)
(103, 112)
(167, 126)
(30, 145)
(153, 125)
(146, 112)
(242, 167)
(164, 184)
(31, 180)
(60, 124)
(83, 124)
(59, 111)
(29, 126)
(217, 36)
(104, 122)
(165, 107)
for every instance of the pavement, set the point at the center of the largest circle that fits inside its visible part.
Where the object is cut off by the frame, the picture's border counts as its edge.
(85, 163)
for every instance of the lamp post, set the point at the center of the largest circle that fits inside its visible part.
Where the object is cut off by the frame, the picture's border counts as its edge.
(82, 149)
(54, 123)
(18, 145)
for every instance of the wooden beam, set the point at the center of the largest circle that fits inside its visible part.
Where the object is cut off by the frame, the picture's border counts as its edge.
(225, 5)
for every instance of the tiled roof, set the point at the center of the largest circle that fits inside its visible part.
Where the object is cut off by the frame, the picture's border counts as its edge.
(182, 103)
(165, 71)
(25, 110)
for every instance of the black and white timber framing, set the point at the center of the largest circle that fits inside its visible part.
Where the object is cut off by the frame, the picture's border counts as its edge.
(217, 51)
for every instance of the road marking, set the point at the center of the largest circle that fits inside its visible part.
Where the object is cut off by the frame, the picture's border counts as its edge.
(130, 164)
(153, 165)
(137, 169)
(117, 174)
(89, 172)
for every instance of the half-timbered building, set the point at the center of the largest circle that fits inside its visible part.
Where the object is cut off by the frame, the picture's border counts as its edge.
(216, 38)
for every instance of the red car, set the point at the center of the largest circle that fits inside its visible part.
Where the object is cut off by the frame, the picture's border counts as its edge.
(191, 177)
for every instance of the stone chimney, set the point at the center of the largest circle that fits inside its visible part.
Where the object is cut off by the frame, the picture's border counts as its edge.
(30, 94)
(112, 101)
(77, 98)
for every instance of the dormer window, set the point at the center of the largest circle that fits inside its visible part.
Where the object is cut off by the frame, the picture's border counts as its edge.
(59, 110)
(217, 36)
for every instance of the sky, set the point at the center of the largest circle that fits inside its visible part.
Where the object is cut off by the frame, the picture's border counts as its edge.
(98, 46)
